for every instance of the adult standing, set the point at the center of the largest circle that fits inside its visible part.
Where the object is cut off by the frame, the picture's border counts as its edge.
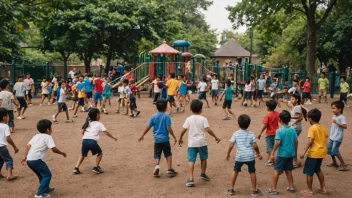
(71, 74)
(30, 88)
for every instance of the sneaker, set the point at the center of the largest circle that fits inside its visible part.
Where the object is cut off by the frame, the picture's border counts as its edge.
(171, 172)
(51, 189)
(156, 171)
(76, 171)
(138, 112)
(132, 115)
(230, 192)
(117, 111)
(104, 111)
(41, 196)
(226, 118)
(269, 163)
(205, 177)
(69, 121)
(332, 164)
(216, 104)
(343, 168)
(97, 170)
(177, 109)
(256, 193)
(53, 118)
(22, 117)
(190, 183)
(40, 105)
(19, 117)
(271, 192)
(70, 108)
(83, 109)
(74, 116)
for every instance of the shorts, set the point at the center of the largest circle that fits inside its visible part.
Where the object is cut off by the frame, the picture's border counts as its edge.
(80, 101)
(248, 94)
(29, 93)
(5, 157)
(269, 143)
(298, 132)
(227, 104)
(322, 92)
(162, 148)
(260, 93)
(133, 104)
(312, 165)
(90, 145)
(343, 97)
(202, 95)
(170, 98)
(22, 101)
(45, 95)
(214, 93)
(75, 96)
(107, 96)
(250, 164)
(333, 147)
(306, 95)
(193, 151)
(89, 95)
(11, 122)
(98, 96)
(121, 100)
(61, 106)
(283, 164)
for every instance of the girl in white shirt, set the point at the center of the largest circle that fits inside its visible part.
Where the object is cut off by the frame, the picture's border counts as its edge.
(91, 130)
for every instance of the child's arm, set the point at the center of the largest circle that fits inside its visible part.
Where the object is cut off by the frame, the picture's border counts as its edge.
(289, 105)
(256, 149)
(57, 151)
(28, 146)
(14, 102)
(169, 129)
(180, 141)
(145, 132)
(232, 144)
(262, 130)
(309, 144)
(208, 130)
(344, 126)
(276, 146)
(296, 147)
(109, 134)
(222, 95)
(9, 140)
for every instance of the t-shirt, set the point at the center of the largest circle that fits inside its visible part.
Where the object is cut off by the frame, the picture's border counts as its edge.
(98, 85)
(318, 148)
(336, 132)
(306, 86)
(228, 93)
(323, 82)
(172, 86)
(20, 89)
(28, 83)
(294, 112)
(6, 98)
(196, 133)
(93, 130)
(214, 84)
(107, 89)
(160, 121)
(80, 86)
(202, 86)
(244, 140)
(345, 88)
(4, 132)
(40, 143)
(44, 86)
(88, 85)
(260, 83)
(156, 87)
(248, 87)
(182, 88)
(287, 135)
(61, 96)
(128, 91)
(71, 74)
(272, 121)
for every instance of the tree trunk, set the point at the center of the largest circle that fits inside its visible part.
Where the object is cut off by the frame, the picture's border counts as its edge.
(87, 60)
(108, 60)
(311, 48)
(341, 63)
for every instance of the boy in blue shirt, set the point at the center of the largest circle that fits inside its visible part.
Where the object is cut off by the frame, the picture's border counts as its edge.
(228, 100)
(131, 99)
(286, 145)
(88, 84)
(161, 123)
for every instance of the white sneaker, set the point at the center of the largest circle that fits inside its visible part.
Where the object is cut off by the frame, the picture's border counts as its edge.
(19, 117)
(41, 196)
(69, 121)
(156, 171)
(40, 105)
(83, 109)
(70, 108)
(22, 117)
(53, 118)
(74, 116)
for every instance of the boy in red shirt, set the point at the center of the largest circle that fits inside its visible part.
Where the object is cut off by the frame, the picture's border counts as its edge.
(98, 90)
(306, 97)
(271, 124)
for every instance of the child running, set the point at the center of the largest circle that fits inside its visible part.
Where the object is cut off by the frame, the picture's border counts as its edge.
(7, 101)
(306, 97)
(45, 92)
(20, 93)
(247, 149)
(203, 88)
(161, 124)
(61, 103)
(131, 99)
(106, 94)
(226, 106)
(316, 148)
(197, 142)
(336, 135)
(172, 88)
(80, 87)
(98, 91)
(156, 85)
(271, 124)
(344, 90)
(88, 84)
(323, 86)
(286, 145)
(214, 89)
(91, 130)
(261, 87)
(182, 92)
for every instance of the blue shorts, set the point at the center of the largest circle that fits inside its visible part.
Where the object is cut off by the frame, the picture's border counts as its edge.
(283, 164)
(98, 96)
(170, 99)
(133, 104)
(250, 164)
(202, 95)
(193, 151)
(269, 143)
(312, 165)
(5, 157)
(333, 147)
(90, 145)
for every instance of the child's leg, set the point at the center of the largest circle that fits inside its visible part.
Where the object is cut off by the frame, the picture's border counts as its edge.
(190, 170)
(289, 179)
(19, 111)
(79, 162)
(274, 180)
(184, 102)
(109, 101)
(67, 116)
(253, 181)
(43, 98)
(233, 179)
(104, 101)
(157, 161)
(321, 180)
(99, 157)
(226, 113)
(42, 171)
(24, 110)
(333, 159)
(206, 100)
(58, 112)
(169, 162)
(229, 110)
(310, 183)
(203, 166)
(340, 159)
(76, 109)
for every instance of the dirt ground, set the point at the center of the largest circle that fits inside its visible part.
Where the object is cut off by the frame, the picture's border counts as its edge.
(128, 165)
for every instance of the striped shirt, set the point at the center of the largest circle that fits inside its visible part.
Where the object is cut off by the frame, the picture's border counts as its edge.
(243, 140)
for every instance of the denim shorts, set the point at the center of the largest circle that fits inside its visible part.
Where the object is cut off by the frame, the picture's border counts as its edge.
(283, 164)
(133, 104)
(80, 102)
(11, 122)
(333, 147)
(269, 143)
(98, 96)
(250, 165)
(5, 157)
(260, 93)
(90, 145)
(163, 147)
(170, 99)
(202, 95)
(312, 165)
(193, 151)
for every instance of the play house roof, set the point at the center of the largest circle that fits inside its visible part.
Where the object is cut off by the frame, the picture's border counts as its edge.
(164, 49)
(181, 43)
(231, 49)
(187, 54)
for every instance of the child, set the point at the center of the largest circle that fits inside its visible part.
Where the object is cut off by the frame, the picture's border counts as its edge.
(122, 96)
(74, 92)
(172, 88)
(317, 137)
(20, 93)
(203, 88)
(61, 102)
(5, 139)
(336, 135)
(182, 92)
(197, 143)
(344, 90)
(215, 89)
(91, 130)
(35, 153)
(134, 88)
(286, 145)
(246, 145)
(7, 101)
(156, 88)
(228, 93)
(45, 91)
(28, 81)
(306, 92)
(88, 84)
(98, 91)
(247, 93)
(261, 87)
(189, 84)
(323, 86)
(271, 124)
(161, 123)
(106, 94)
(131, 99)
(54, 88)
(80, 87)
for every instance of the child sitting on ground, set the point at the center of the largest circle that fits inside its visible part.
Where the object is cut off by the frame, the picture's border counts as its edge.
(228, 93)
(246, 145)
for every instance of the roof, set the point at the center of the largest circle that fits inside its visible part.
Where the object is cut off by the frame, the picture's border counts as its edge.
(181, 43)
(187, 54)
(164, 49)
(231, 49)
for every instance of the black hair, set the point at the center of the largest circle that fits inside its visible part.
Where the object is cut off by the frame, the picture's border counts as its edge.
(285, 116)
(338, 104)
(343, 77)
(308, 78)
(295, 80)
(172, 75)
(126, 81)
(315, 115)
(228, 83)
(196, 106)
(44, 77)
(97, 75)
(3, 84)
(28, 74)
(90, 75)
(92, 116)
(60, 83)
(323, 73)
(180, 75)
(3, 113)
(44, 125)
(271, 104)
(248, 81)
(297, 97)
(244, 121)
(161, 105)
(19, 76)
